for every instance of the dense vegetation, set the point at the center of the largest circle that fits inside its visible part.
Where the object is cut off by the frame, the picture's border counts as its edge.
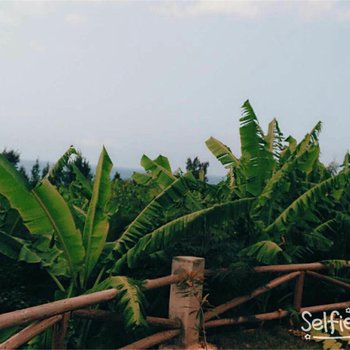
(278, 204)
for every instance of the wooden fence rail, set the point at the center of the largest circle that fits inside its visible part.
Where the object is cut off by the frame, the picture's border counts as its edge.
(29, 333)
(241, 300)
(56, 314)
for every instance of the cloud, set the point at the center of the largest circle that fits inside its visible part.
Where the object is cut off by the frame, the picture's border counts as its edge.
(307, 10)
(204, 7)
(75, 19)
(315, 10)
(13, 14)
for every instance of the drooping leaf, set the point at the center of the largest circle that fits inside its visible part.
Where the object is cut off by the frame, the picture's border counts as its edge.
(343, 218)
(61, 219)
(225, 157)
(317, 241)
(130, 300)
(266, 252)
(13, 187)
(305, 202)
(159, 169)
(151, 216)
(61, 162)
(222, 152)
(34, 252)
(191, 223)
(10, 246)
(142, 179)
(163, 162)
(28, 255)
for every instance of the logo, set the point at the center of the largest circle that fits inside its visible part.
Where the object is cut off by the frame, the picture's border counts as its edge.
(331, 326)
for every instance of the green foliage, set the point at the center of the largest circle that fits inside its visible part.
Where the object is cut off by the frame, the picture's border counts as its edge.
(97, 221)
(222, 152)
(303, 203)
(61, 219)
(166, 234)
(256, 159)
(279, 204)
(266, 252)
(158, 169)
(63, 172)
(197, 168)
(15, 189)
(295, 195)
(127, 200)
(130, 300)
(64, 239)
(151, 216)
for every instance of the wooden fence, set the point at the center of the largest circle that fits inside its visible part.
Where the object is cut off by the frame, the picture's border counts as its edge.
(181, 324)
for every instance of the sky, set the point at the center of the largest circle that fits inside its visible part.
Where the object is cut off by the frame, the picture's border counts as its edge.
(161, 77)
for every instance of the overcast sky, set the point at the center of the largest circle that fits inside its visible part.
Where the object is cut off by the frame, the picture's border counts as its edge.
(162, 77)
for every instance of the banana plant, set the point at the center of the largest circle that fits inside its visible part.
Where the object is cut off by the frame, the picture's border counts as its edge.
(70, 242)
(179, 209)
(70, 253)
(294, 196)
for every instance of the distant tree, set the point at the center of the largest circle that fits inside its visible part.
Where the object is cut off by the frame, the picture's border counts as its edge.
(198, 168)
(116, 176)
(45, 170)
(333, 168)
(83, 165)
(12, 156)
(35, 174)
(65, 175)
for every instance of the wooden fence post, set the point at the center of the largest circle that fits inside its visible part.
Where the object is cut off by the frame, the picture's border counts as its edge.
(59, 333)
(298, 292)
(185, 297)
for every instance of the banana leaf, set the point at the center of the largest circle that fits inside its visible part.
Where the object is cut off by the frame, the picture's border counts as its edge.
(256, 161)
(61, 219)
(191, 223)
(14, 188)
(97, 221)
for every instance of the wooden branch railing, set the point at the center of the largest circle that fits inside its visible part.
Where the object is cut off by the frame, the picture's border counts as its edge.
(298, 292)
(328, 279)
(153, 340)
(19, 317)
(59, 332)
(241, 300)
(316, 266)
(58, 312)
(112, 316)
(274, 315)
(51, 313)
(29, 333)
